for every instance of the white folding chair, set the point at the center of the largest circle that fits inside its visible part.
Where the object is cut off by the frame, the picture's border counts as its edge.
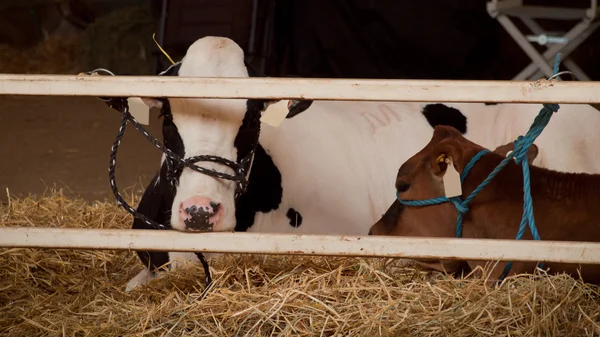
(566, 44)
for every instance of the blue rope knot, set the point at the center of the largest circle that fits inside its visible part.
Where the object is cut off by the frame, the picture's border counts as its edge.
(460, 206)
(551, 106)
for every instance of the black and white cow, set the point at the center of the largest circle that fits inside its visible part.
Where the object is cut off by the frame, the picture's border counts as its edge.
(331, 168)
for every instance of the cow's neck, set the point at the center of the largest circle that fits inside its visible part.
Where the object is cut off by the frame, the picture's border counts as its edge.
(264, 192)
(249, 131)
(560, 200)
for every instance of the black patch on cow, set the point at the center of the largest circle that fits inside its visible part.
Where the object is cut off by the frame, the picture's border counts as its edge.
(156, 205)
(295, 218)
(440, 114)
(157, 199)
(171, 138)
(264, 191)
(199, 217)
(248, 132)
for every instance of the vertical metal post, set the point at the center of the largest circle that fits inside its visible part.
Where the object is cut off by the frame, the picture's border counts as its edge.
(576, 37)
(525, 45)
(160, 36)
(252, 39)
(267, 35)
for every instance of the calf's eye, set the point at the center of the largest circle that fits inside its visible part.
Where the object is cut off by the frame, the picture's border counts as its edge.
(403, 187)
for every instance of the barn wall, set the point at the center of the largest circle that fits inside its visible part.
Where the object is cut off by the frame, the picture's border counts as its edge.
(189, 20)
(435, 39)
(406, 39)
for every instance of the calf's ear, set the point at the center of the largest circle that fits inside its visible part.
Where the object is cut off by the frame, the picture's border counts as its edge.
(504, 150)
(532, 153)
(444, 154)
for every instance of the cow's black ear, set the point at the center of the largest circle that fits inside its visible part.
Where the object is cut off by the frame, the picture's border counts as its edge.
(296, 107)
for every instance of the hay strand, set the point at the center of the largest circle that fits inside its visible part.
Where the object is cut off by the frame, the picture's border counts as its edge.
(81, 293)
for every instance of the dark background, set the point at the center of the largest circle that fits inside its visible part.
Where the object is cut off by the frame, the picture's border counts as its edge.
(437, 39)
(65, 142)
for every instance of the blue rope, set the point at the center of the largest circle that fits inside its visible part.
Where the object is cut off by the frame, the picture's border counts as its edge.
(461, 206)
(521, 147)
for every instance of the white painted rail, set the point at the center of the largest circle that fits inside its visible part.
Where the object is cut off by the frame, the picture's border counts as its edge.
(294, 88)
(368, 246)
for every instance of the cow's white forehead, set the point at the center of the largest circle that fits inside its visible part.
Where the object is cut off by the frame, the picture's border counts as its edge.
(213, 56)
(210, 56)
(208, 127)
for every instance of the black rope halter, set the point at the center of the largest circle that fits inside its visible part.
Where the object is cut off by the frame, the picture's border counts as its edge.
(175, 164)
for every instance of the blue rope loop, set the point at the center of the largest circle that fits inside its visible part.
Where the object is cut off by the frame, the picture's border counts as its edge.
(519, 154)
(461, 206)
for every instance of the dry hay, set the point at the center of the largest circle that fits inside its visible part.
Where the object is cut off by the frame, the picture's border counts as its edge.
(81, 293)
(58, 54)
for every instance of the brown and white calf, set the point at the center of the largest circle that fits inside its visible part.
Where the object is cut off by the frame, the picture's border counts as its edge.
(565, 204)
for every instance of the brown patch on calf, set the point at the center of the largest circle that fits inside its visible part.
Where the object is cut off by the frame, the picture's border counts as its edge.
(564, 203)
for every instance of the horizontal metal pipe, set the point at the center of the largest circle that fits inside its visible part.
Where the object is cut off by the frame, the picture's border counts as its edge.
(289, 244)
(307, 88)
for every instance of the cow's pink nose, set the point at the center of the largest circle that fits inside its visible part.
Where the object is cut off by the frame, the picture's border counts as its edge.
(199, 214)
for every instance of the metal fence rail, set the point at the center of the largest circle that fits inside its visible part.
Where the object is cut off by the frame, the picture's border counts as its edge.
(288, 88)
(289, 244)
(295, 88)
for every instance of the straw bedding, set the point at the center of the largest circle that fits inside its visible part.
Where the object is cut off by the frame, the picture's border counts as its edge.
(81, 293)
